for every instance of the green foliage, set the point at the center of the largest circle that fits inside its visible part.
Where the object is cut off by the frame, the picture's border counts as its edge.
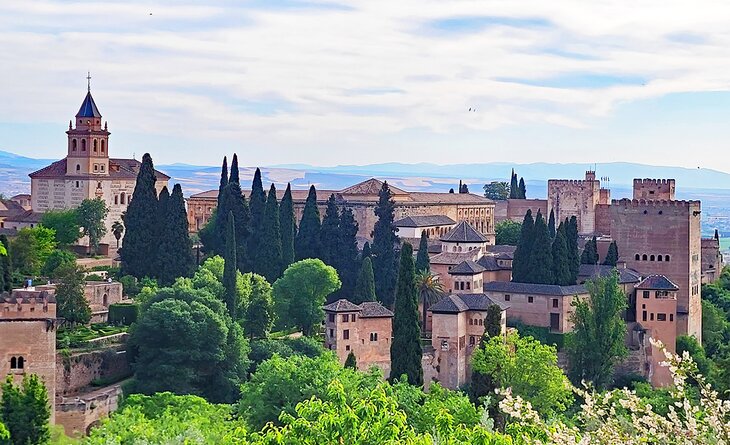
(117, 231)
(56, 259)
(493, 321)
(523, 189)
(529, 368)
(91, 214)
(123, 313)
(268, 258)
(597, 341)
(539, 333)
(347, 263)
(139, 247)
(230, 269)
(288, 226)
(234, 202)
(71, 304)
(590, 252)
(79, 336)
(423, 263)
(521, 261)
(405, 350)
(174, 252)
(496, 190)
(65, 223)
(383, 247)
(571, 238)
(561, 258)
(351, 361)
(715, 327)
(612, 255)
(328, 234)
(6, 266)
(259, 316)
(365, 286)
(301, 292)
(429, 290)
(514, 188)
(551, 225)
(540, 266)
(695, 350)
(30, 249)
(308, 242)
(508, 232)
(257, 205)
(25, 411)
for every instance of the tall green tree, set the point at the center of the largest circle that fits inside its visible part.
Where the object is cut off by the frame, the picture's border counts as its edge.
(496, 190)
(383, 247)
(514, 188)
(30, 248)
(26, 411)
(590, 252)
(523, 189)
(224, 179)
(231, 268)
(234, 170)
(351, 361)
(612, 255)
(257, 204)
(551, 224)
(301, 292)
(308, 243)
(423, 263)
(561, 258)
(140, 219)
(365, 287)
(405, 350)
(213, 233)
(234, 202)
(175, 251)
(571, 238)
(482, 384)
(347, 263)
(6, 266)
(521, 260)
(65, 223)
(269, 261)
(507, 232)
(260, 314)
(288, 225)
(541, 256)
(597, 342)
(56, 260)
(91, 214)
(71, 304)
(329, 233)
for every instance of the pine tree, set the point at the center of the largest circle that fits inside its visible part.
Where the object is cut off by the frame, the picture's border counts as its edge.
(366, 253)
(365, 287)
(523, 189)
(6, 266)
(571, 237)
(521, 260)
(514, 188)
(351, 361)
(235, 174)
(423, 264)
(175, 249)
(383, 248)
(561, 258)
(405, 350)
(288, 226)
(307, 243)
(328, 234)
(541, 256)
(347, 263)
(230, 267)
(551, 224)
(590, 252)
(140, 241)
(269, 255)
(612, 255)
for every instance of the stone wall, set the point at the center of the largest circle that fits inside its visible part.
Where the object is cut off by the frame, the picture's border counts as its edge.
(77, 372)
(79, 414)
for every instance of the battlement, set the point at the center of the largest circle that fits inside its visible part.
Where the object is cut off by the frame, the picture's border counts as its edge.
(647, 182)
(24, 304)
(580, 182)
(649, 203)
(657, 189)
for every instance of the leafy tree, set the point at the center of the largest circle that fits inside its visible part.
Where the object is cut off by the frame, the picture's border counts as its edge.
(230, 269)
(423, 263)
(140, 219)
(523, 189)
(541, 257)
(405, 350)
(308, 243)
(3, 255)
(351, 361)
(597, 341)
(715, 328)
(117, 231)
(30, 249)
(365, 287)
(571, 238)
(347, 263)
(551, 224)
(612, 255)
(65, 223)
(268, 258)
(71, 303)
(697, 352)
(288, 226)
(521, 260)
(257, 204)
(56, 259)
(529, 368)
(383, 247)
(430, 291)
(496, 190)
(561, 259)
(259, 317)
(6, 266)
(514, 188)
(301, 292)
(507, 232)
(175, 253)
(25, 411)
(483, 385)
(329, 232)
(493, 321)
(590, 252)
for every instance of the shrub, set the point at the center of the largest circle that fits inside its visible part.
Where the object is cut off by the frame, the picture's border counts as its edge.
(123, 313)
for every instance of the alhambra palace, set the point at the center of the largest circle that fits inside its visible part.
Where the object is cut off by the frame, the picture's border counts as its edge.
(663, 262)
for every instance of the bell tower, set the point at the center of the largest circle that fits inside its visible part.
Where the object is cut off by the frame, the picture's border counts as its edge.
(88, 142)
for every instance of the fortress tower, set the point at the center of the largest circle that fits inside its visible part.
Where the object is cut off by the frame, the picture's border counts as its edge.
(579, 198)
(654, 189)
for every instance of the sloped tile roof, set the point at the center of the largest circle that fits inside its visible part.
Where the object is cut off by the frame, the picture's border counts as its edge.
(118, 169)
(373, 309)
(425, 221)
(455, 303)
(10, 208)
(342, 305)
(371, 186)
(464, 233)
(658, 282)
(453, 258)
(467, 267)
(489, 263)
(28, 216)
(537, 289)
(590, 271)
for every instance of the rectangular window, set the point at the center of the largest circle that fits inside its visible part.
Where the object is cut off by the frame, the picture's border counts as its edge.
(353, 318)
(468, 285)
(507, 297)
(472, 340)
(347, 348)
(661, 317)
(481, 322)
(346, 334)
(332, 318)
(643, 316)
(645, 294)
(530, 299)
(332, 333)
(651, 316)
(373, 336)
(471, 322)
(555, 302)
(345, 318)
(671, 317)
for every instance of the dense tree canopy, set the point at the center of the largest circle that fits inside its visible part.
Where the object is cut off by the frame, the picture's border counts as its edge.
(268, 259)
(141, 222)
(25, 411)
(71, 304)
(30, 249)
(365, 286)
(308, 243)
(65, 224)
(507, 232)
(174, 252)
(496, 190)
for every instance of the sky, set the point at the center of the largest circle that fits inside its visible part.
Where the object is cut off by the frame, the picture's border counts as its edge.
(357, 82)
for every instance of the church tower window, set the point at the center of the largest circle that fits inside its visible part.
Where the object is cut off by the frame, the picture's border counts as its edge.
(102, 146)
(78, 168)
(95, 143)
(83, 144)
(73, 145)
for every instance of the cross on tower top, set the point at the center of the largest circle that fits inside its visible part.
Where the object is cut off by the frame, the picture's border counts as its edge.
(88, 81)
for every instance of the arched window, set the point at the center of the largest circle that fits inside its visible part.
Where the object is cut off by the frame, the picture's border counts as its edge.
(103, 146)
(78, 168)
(121, 198)
(13, 363)
(637, 257)
(116, 199)
(95, 143)
(105, 300)
(651, 258)
(83, 144)
(73, 145)
(644, 258)
(666, 258)
(21, 363)
(659, 258)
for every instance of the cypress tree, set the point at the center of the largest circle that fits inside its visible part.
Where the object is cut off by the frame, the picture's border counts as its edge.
(288, 227)
(405, 350)
(612, 255)
(523, 189)
(365, 287)
(590, 252)
(541, 256)
(140, 241)
(257, 203)
(561, 258)
(175, 255)
(571, 236)
(366, 253)
(7, 266)
(163, 201)
(383, 248)
(521, 260)
(329, 232)
(235, 174)
(224, 179)
(234, 202)
(230, 267)
(551, 224)
(268, 262)
(514, 188)
(307, 243)
(347, 263)
(351, 361)
(423, 264)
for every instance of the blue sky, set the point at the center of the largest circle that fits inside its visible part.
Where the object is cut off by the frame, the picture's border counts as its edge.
(333, 82)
